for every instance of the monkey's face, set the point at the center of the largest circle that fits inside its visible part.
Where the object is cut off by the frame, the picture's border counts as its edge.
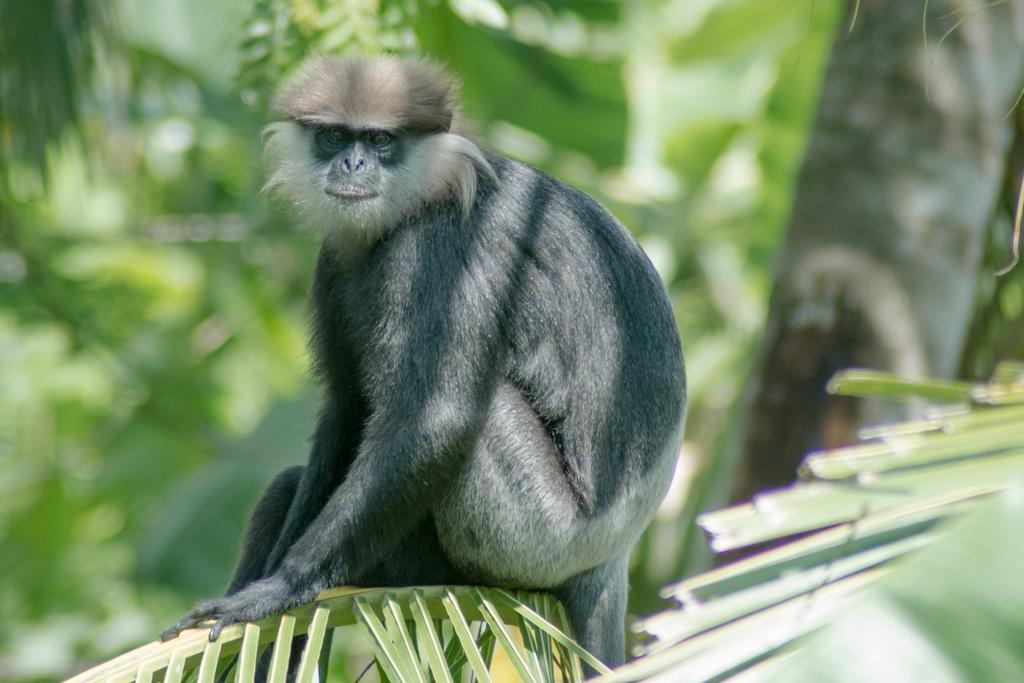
(361, 182)
(355, 160)
(367, 143)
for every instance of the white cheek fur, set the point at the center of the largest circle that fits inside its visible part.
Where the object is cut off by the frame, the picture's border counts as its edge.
(435, 166)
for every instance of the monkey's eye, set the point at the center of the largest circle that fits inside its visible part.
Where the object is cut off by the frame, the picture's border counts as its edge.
(335, 136)
(329, 140)
(379, 138)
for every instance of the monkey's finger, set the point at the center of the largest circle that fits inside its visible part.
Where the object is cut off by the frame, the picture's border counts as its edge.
(170, 634)
(175, 631)
(217, 628)
(190, 620)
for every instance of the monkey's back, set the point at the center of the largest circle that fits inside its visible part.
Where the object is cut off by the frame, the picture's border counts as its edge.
(593, 367)
(593, 339)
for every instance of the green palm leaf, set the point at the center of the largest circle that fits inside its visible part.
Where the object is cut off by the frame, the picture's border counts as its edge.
(871, 554)
(402, 625)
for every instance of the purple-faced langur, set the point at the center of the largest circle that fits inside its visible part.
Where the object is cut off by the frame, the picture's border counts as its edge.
(503, 388)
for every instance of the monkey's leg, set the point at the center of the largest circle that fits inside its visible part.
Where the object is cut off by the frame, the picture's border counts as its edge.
(418, 560)
(265, 528)
(595, 602)
(513, 519)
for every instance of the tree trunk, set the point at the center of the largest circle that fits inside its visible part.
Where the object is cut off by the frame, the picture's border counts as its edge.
(879, 263)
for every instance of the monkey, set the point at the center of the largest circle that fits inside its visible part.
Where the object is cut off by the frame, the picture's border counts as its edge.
(503, 386)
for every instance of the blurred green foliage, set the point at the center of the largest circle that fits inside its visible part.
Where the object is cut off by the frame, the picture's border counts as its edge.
(153, 372)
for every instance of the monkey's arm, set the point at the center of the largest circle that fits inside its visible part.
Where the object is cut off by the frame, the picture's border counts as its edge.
(332, 451)
(433, 366)
(336, 438)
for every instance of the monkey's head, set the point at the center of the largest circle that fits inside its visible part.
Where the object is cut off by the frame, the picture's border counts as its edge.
(365, 143)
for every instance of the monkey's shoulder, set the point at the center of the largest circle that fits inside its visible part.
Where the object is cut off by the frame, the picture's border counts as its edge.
(526, 199)
(531, 189)
(555, 222)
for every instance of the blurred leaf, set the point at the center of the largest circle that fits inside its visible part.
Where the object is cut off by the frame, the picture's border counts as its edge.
(197, 35)
(173, 276)
(204, 513)
(888, 386)
(47, 48)
(487, 12)
(739, 30)
(576, 103)
(949, 613)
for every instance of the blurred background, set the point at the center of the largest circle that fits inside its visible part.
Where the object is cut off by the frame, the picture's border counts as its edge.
(153, 367)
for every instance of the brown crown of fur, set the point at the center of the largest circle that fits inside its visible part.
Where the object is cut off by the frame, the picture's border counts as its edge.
(381, 92)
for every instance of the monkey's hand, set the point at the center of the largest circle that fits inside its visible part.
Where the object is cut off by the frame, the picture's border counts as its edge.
(257, 600)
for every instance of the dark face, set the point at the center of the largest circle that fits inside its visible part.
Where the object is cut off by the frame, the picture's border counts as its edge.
(357, 160)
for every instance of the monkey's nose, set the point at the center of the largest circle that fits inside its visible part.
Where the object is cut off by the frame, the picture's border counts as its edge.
(355, 165)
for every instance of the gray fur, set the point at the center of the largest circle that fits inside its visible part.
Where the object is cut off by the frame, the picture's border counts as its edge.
(411, 94)
(503, 385)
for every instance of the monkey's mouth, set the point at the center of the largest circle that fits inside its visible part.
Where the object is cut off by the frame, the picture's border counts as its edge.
(349, 193)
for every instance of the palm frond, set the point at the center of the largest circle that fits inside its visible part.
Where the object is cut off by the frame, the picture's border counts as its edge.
(852, 515)
(418, 634)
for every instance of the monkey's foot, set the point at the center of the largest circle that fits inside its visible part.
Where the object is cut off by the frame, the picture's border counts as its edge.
(254, 602)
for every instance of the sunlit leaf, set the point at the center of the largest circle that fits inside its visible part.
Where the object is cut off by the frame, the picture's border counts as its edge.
(907, 563)
(393, 619)
(487, 12)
